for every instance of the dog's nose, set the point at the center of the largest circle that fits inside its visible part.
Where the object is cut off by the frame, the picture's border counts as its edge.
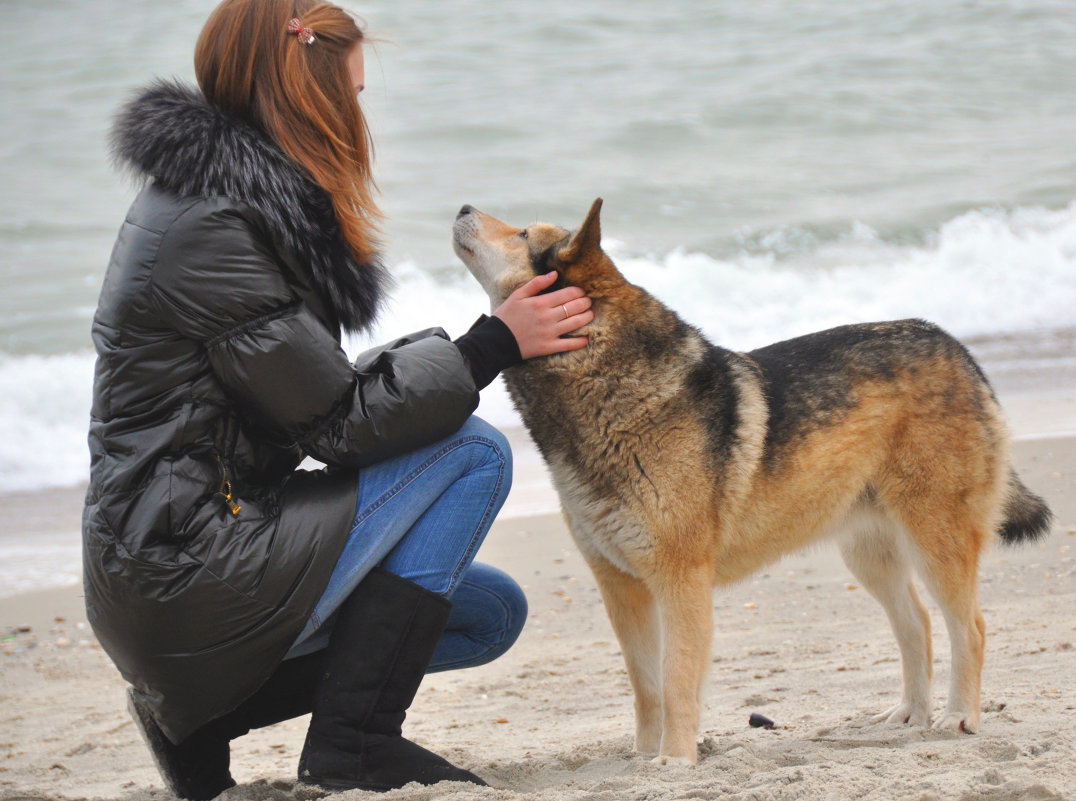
(465, 209)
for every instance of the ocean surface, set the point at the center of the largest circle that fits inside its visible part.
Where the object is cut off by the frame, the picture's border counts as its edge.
(768, 168)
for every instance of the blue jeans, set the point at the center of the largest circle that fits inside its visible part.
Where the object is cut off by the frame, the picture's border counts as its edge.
(423, 516)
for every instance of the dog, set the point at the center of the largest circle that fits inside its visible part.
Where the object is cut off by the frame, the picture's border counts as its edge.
(682, 466)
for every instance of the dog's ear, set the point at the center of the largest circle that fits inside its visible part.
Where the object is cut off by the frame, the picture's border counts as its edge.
(588, 239)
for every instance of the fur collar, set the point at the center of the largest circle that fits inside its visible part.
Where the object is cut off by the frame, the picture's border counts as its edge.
(170, 133)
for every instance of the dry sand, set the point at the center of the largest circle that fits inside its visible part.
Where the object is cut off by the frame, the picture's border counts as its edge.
(552, 719)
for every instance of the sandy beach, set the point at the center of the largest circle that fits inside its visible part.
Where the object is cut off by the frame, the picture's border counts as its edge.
(552, 720)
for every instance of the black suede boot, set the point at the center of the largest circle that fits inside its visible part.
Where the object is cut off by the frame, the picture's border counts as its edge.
(384, 638)
(198, 768)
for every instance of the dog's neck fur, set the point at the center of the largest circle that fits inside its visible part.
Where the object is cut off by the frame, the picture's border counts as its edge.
(631, 341)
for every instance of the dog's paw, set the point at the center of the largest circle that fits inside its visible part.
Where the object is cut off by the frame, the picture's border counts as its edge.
(665, 759)
(957, 722)
(906, 715)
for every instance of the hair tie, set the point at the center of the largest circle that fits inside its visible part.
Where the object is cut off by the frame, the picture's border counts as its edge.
(304, 35)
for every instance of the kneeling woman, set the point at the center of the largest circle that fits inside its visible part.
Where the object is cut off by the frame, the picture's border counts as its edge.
(232, 589)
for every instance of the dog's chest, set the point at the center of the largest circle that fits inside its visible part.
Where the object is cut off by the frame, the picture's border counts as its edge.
(602, 526)
(590, 433)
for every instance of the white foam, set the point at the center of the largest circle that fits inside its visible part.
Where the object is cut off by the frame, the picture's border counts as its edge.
(44, 418)
(985, 272)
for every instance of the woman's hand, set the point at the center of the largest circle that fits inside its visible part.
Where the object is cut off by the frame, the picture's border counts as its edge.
(539, 322)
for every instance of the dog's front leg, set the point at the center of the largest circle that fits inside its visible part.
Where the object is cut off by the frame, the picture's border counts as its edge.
(686, 605)
(634, 615)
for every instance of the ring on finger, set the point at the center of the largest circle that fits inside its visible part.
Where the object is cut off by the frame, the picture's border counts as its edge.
(564, 309)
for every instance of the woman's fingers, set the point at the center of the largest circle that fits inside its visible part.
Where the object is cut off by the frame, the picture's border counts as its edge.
(563, 295)
(564, 344)
(536, 285)
(564, 304)
(540, 322)
(574, 314)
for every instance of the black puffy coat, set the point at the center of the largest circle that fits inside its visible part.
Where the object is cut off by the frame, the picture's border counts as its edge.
(219, 368)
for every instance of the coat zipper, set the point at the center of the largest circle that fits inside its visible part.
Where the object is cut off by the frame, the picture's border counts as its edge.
(226, 488)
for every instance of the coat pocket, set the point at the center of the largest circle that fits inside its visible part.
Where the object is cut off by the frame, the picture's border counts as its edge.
(193, 506)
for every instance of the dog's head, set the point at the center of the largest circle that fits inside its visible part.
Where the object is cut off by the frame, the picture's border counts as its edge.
(503, 258)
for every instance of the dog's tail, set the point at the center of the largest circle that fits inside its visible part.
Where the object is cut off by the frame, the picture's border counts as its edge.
(1025, 516)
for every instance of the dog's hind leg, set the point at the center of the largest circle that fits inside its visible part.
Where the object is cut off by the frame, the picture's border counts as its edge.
(686, 604)
(633, 613)
(944, 479)
(875, 554)
(950, 569)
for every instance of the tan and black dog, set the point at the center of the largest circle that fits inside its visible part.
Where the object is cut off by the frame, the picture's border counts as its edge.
(681, 466)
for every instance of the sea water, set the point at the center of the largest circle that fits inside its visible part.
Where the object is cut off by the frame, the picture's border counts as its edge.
(768, 168)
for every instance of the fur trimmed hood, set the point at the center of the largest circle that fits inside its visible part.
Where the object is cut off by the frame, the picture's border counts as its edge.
(170, 133)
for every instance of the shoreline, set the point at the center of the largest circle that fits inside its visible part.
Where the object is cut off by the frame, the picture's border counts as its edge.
(1034, 376)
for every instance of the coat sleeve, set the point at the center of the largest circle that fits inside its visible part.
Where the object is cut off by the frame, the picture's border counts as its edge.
(218, 282)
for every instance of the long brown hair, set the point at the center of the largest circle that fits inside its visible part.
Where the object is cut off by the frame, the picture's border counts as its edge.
(249, 65)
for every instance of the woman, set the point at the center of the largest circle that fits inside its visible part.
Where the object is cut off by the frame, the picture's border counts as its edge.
(231, 589)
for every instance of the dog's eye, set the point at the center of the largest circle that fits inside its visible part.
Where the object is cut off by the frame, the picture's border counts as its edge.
(523, 234)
